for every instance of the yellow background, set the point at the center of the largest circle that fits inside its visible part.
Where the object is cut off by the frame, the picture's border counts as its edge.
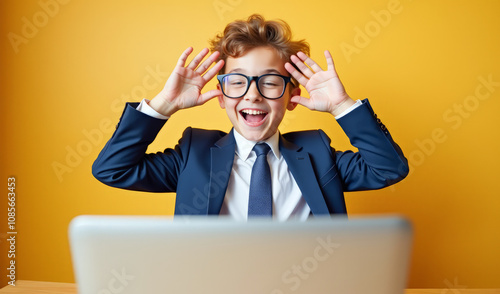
(64, 85)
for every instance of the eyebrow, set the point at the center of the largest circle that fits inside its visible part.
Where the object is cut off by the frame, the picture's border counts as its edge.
(267, 71)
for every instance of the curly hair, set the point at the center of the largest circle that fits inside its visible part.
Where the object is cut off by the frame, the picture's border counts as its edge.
(240, 36)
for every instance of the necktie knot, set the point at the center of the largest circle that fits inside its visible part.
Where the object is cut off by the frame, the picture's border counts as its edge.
(261, 149)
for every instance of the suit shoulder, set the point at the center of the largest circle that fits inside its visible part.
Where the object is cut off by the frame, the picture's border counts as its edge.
(207, 133)
(306, 137)
(200, 136)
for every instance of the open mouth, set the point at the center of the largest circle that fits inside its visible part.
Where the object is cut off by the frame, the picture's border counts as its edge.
(253, 116)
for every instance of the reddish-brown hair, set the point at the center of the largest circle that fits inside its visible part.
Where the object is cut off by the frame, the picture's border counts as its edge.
(240, 36)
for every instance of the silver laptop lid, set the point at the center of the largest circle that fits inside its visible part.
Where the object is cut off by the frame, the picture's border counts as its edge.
(135, 254)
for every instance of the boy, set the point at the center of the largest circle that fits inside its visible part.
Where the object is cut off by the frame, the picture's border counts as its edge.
(295, 175)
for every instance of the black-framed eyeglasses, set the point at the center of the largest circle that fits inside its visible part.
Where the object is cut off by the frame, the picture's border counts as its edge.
(270, 86)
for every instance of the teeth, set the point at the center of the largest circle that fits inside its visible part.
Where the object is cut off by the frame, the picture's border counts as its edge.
(253, 112)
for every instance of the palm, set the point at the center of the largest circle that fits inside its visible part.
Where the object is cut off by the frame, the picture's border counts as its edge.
(325, 89)
(183, 87)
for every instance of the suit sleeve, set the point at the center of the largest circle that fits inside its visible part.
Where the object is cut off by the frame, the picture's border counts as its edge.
(123, 162)
(379, 161)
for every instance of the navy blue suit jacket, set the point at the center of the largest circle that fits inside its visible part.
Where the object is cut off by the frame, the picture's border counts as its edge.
(199, 166)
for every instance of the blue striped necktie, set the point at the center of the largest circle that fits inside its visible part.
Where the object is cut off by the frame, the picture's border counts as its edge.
(260, 202)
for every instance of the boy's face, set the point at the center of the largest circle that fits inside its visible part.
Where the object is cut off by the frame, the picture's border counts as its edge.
(256, 62)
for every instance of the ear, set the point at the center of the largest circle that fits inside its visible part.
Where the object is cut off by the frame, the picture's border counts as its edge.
(295, 92)
(221, 98)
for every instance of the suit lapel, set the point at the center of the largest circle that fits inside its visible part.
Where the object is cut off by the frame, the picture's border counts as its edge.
(301, 168)
(222, 158)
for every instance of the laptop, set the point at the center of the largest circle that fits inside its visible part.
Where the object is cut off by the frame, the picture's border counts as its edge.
(147, 254)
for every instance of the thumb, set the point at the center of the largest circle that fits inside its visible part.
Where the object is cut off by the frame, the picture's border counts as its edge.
(306, 102)
(209, 95)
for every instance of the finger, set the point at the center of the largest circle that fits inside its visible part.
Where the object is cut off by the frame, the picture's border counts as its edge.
(182, 59)
(206, 64)
(303, 101)
(314, 66)
(213, 71)
(329, 62)
(296, 74)
(197, 59)
(209, 95)
(302, 67)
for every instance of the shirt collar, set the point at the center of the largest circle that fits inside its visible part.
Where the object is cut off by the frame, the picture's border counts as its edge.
(244, 147)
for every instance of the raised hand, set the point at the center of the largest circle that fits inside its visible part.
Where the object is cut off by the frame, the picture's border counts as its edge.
(325, 90)
(183, 87)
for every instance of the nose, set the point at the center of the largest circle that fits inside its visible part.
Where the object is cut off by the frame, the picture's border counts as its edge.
(253, 94)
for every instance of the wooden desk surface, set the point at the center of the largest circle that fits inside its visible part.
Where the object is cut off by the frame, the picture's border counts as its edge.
(34, 287)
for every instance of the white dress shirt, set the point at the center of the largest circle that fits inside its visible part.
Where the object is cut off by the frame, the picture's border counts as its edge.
(288, 202)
